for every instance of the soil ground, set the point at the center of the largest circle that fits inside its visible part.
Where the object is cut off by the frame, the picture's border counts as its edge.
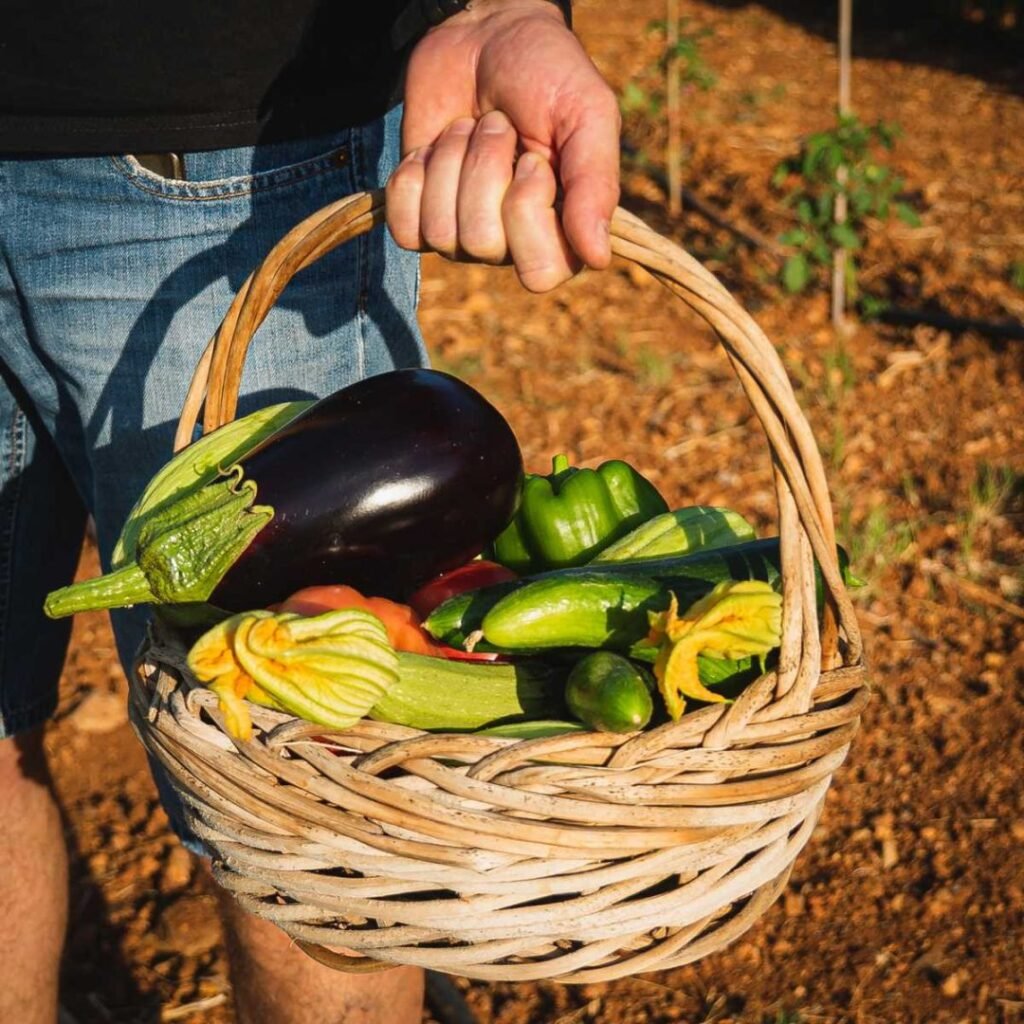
(908, 905)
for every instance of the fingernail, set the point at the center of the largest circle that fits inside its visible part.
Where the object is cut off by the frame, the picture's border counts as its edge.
(419, 156)
(494, 123)
(463, 126)
(527, 165)
(605, 229)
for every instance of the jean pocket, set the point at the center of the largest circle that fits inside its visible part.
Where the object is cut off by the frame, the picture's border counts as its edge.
(230, 173)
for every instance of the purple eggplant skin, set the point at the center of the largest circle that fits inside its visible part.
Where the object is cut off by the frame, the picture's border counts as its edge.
(382, 485)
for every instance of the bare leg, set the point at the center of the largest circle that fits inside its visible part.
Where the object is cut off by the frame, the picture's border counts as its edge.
(33, 884)
(276, 983)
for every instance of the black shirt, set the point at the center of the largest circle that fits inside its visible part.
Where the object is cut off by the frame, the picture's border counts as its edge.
(110, 76)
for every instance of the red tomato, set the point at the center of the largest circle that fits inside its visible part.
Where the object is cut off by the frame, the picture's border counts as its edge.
(471, 576)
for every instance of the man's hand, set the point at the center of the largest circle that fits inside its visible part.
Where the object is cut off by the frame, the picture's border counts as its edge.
(499, 100)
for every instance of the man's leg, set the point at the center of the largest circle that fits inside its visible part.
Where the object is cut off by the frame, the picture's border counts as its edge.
(133, 313)
(276, 982)
(33, 884)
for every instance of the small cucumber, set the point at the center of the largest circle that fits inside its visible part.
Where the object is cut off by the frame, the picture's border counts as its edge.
(610, 693)
(597, 610)
(434, 693)
(453, 620)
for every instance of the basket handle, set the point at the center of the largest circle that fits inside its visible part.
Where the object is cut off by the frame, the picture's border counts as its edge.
(805, 513)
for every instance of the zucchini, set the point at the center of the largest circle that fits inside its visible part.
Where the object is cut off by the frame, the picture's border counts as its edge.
(681, 532)
(609, 693)
(533, 730)
(693, 576)
(456, 696)
(582, 610)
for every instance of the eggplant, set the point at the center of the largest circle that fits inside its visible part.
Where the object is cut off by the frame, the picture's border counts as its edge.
(382, 485)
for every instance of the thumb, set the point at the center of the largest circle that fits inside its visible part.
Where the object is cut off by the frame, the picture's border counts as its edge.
(588, 163)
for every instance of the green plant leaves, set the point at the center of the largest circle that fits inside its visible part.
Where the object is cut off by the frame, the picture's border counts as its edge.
(796, 273)
(795, 237)
(844, 236)
(1017, 274)
(833, 163)
(908, 215)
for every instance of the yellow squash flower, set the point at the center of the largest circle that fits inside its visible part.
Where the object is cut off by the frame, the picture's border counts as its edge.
(738, 619)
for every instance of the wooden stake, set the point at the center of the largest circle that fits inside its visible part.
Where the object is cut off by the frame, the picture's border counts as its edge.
(839, 255)
(673, 154)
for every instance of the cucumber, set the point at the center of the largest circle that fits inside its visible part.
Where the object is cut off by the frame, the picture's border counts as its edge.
(434, 693)
(689, 577)
(453, 620)
(583, 610)
(610, 693)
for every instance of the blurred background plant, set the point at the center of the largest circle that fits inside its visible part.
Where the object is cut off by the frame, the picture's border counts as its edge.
(812, 186)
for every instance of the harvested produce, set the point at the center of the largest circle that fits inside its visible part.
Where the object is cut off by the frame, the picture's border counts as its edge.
(736, 620)
(180, 549)
(569, 516)
(199, 464)
(454, 620)
(583, 610)
(330, 668)
(405, 632)
(472, 576)
(537, 729)
(384, 484)
(433, 693)
(169, 506)
(610, 693)
(680, 532)
(690, 577)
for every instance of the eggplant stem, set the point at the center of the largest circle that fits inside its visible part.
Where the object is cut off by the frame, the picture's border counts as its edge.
(119, 589)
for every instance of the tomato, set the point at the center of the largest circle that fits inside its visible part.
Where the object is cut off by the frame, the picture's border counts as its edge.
(471, 576)
(402, 623)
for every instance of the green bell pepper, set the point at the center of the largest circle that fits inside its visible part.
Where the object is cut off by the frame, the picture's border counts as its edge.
(567, 517)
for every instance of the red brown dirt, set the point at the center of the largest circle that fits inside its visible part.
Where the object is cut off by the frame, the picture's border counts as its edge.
(908, 905)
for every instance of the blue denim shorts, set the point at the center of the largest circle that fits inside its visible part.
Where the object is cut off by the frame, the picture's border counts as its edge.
(112, 280)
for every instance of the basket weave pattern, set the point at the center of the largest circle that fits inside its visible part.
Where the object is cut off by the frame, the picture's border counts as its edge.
(584, 857)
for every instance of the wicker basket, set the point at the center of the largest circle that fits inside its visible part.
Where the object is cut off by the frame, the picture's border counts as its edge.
(583, 857)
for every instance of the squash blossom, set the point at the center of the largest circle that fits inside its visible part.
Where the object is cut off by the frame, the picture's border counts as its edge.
(330, 668)
(738, 619)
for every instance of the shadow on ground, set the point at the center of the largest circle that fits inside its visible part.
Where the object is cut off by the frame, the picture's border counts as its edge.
(930, 32)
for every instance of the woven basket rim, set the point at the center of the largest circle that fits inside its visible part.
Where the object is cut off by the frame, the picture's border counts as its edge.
(299, 799)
